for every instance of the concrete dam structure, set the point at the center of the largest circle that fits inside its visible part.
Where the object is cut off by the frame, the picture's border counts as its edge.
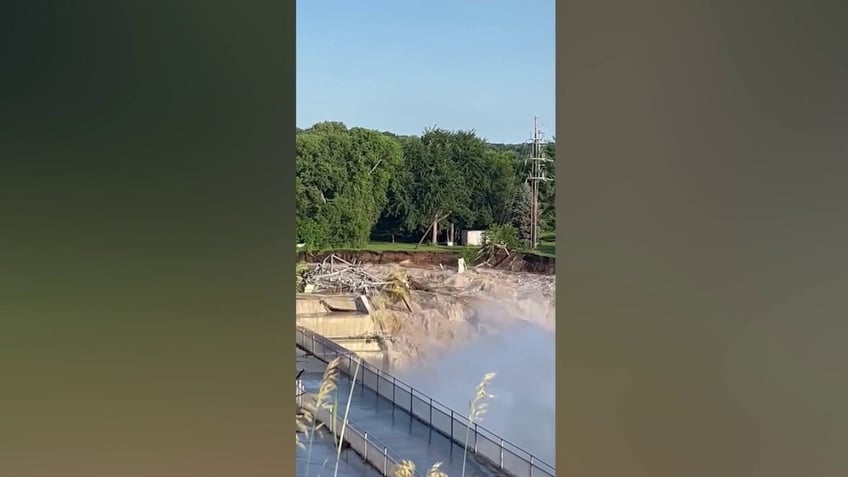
(346, 320)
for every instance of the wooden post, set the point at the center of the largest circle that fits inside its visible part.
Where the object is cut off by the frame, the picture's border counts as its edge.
(435, 230)
(424, 236)
(434, 225)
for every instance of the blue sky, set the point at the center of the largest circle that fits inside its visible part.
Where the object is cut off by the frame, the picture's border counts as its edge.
(405, 65)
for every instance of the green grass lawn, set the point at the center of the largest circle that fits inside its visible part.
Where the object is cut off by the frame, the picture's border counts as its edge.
(546, 247)
(401, 247)
(547, 244)
(405, 247)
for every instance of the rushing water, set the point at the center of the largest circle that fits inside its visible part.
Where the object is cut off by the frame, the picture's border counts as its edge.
(523, 409)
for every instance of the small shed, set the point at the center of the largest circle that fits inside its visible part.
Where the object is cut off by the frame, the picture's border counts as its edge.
(472, 237)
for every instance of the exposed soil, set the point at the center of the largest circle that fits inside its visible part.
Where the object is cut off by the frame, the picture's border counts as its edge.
(515, 262)
(457, 308)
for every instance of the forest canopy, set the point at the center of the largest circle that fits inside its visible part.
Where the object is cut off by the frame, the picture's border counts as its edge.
(355, 185)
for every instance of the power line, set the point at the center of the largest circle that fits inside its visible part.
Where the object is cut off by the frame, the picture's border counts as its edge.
(537, 175)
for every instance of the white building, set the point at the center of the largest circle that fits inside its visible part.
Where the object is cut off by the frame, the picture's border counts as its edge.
(472, 237)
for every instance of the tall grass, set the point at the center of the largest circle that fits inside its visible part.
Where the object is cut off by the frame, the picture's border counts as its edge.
(328, 385)
(476, 408)
(407, 469)
(345, 420)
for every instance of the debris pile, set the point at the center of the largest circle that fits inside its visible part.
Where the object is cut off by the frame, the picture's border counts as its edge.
(336, 275)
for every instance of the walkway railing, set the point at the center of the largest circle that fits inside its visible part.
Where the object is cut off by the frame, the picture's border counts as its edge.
(500, 453)
(299, 388)
(372, 451)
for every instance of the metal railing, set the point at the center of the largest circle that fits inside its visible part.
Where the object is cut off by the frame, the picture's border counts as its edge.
(372, 450)
(300, 390)
(500, 453)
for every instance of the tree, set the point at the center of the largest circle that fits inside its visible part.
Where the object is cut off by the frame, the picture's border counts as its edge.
(437, 186)
(342, 179)
(522, 214)
(547, 190)
(501, 186)
(353, 184)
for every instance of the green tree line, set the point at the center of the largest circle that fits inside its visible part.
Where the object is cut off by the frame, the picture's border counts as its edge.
(355, 185)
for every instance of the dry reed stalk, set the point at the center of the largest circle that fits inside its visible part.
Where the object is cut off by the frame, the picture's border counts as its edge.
(328, 385)
(436, 471)
(345, 420)
(406, 468)
(476, 408)
(300, 428)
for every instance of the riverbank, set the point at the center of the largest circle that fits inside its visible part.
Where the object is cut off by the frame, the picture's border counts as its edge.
(515, 262)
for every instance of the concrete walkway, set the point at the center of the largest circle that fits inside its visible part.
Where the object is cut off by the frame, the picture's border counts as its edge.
(404, 435)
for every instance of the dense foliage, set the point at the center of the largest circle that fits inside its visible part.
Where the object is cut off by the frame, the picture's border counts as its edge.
(354, 185)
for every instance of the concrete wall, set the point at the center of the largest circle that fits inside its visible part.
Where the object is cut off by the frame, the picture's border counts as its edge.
(339, 326)
(314, 304)
(309, 306)
(344, 319)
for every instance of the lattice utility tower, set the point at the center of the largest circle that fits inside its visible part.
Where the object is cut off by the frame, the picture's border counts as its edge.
(537, 175)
